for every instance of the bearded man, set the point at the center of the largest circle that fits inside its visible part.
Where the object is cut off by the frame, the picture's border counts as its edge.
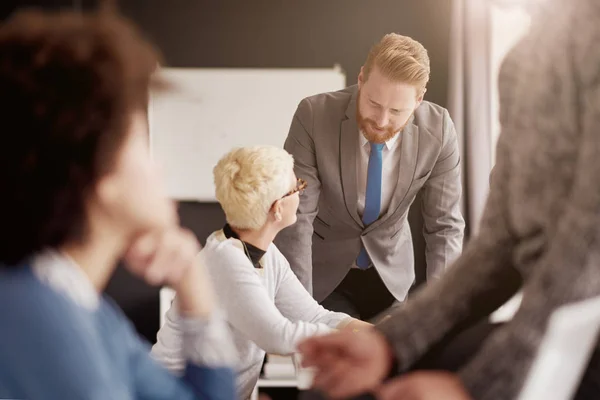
(366, 152)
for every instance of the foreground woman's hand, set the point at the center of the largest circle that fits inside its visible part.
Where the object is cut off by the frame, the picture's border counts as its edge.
(171, 258)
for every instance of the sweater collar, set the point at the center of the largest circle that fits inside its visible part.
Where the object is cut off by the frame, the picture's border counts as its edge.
(252, 252)
(61, 273)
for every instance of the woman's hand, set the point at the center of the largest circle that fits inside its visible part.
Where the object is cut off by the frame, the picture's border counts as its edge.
(356, 325)
(171, 258)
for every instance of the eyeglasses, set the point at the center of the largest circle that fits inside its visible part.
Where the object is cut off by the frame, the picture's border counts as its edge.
(300, 186)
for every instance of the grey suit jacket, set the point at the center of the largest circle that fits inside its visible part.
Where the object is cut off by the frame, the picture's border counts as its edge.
(325, 241)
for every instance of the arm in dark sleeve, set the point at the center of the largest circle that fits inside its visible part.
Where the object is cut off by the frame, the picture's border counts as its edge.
(568, 270)
(481, 280)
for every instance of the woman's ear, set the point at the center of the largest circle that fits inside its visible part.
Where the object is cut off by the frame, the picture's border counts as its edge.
(107, 192)
(276, 210)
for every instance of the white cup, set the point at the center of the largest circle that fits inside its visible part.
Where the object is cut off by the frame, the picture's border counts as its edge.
(304, 376)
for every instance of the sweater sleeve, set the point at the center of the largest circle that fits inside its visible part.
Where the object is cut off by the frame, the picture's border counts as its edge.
(205, 376)
(248, 306)
(296, 304)
(204, 342)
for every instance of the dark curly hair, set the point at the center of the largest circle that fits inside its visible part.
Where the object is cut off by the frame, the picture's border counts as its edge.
(69, 83)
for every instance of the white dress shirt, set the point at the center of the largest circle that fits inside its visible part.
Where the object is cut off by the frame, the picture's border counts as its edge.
(389, 174)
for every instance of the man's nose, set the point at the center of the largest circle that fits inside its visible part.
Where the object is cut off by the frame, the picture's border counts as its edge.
(382, 119)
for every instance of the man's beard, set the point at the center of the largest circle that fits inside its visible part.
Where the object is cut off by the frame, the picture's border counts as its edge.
(367, 127)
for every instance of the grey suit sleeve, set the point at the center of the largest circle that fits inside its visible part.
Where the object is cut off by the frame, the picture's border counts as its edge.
(481, 279)
(295, 242)
(444, 225)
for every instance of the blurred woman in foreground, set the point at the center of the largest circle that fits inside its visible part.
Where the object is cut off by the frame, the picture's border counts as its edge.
(79, 192)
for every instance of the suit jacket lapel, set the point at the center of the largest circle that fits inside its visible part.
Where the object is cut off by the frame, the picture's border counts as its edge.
(348, 160)
(408, 162)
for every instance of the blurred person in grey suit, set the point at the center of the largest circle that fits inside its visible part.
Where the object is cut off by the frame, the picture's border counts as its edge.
(366, 152)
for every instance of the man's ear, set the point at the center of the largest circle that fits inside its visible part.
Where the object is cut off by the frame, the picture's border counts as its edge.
(420, 98)
(361, 77)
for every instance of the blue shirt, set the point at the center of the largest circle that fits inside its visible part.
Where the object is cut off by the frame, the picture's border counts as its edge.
(53, 348)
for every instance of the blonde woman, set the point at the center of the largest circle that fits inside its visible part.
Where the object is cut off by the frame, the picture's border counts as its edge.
(267, 307)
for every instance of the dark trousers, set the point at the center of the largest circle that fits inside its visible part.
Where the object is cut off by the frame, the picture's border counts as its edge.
(362, 294)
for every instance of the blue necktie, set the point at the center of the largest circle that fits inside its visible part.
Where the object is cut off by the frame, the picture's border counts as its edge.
(372, 196)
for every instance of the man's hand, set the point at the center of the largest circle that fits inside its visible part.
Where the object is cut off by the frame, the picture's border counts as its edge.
(347, 363)
(424, 386)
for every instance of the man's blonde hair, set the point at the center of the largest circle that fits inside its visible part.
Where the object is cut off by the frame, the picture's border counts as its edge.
(399, 58)
(249, 180)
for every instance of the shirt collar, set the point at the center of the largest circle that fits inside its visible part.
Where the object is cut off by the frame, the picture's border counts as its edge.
(389, 144)
(61, 273)
(252, 252)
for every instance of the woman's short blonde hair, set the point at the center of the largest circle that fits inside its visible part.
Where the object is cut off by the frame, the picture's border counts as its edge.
(249, 180)
(400, 58)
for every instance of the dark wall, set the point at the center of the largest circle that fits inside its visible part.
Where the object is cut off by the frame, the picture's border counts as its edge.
(9, 6)
(298, 33)
(273, 34)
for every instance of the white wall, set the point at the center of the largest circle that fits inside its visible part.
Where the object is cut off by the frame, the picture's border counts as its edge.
(509, 24)
(210, 111)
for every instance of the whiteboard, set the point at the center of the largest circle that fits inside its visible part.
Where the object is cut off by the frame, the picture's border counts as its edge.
(210, 111)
